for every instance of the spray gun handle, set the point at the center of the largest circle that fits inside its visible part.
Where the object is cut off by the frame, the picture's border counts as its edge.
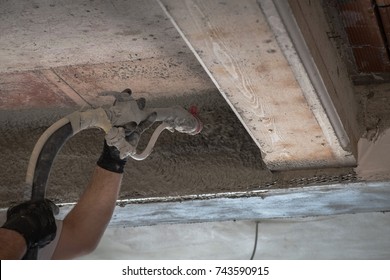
(179, 119)
(126, 110)
(175, 118)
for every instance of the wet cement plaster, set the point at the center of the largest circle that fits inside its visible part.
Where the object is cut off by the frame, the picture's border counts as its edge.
(221, 158)
(374, 157)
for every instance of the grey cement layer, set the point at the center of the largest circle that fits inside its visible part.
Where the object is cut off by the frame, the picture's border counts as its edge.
(374, 101)
(222, 158)
(44, 34)
(374, 157)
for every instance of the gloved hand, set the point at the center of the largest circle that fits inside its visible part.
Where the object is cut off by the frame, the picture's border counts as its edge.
(34, 220)
(115, 150)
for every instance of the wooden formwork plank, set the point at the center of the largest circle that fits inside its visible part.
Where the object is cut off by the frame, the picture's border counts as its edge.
(235, 45)
(314, 27)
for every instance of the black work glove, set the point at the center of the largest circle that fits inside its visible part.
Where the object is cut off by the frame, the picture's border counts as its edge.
(34, 220)
(110, 158)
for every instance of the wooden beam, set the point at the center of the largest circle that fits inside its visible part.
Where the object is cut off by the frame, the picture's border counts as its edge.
(296, 51)
(284, 203)
(315, 29)
(235, 45)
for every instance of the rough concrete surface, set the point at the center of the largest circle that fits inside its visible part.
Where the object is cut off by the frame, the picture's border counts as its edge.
(43, 34)
(374, 100)
(221, 158)
(374, 160)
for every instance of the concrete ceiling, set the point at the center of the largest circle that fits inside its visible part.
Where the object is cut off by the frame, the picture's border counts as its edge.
(265, 124)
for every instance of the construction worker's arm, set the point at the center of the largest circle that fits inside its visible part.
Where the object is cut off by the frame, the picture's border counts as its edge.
(28, 225)
(85, 224)
(12, 244)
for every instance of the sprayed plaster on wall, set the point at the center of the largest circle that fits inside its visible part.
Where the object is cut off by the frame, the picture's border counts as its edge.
(374, 157)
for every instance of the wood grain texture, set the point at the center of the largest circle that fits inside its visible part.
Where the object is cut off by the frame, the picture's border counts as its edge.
(234, 43)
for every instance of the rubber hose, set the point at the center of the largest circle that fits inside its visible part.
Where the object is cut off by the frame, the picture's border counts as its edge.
(42, 169)
(45, 160)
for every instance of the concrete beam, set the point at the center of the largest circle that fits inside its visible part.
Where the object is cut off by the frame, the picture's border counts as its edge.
(283, 203)
(247, 62)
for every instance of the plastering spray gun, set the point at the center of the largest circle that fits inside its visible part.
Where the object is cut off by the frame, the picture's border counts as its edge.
(114, 120)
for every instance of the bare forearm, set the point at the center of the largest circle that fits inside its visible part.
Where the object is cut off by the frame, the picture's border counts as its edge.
(12, 244)
(97, 203)
(85, 224)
